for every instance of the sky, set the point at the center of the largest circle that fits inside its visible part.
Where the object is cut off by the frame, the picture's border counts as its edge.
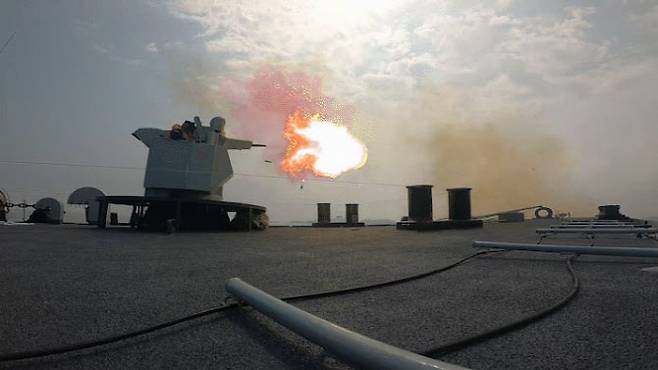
(527, 102)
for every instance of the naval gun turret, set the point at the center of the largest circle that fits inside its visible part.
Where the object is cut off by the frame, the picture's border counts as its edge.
(186, 170)
(189, 161)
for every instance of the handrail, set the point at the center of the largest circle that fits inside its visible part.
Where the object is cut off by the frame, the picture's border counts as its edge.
(574, 249)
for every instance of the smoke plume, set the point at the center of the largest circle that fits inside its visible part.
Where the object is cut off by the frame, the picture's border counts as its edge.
(500, 144)
(262, 103)
(508, 166)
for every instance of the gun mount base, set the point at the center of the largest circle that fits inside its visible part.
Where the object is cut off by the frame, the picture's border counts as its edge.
(172, 214)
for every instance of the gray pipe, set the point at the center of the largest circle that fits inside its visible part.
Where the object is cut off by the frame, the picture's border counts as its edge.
(348, 346)
(596, 226)
(600, 223)
(575, 249)
(597, 220)
(598, 231)
(503, 212)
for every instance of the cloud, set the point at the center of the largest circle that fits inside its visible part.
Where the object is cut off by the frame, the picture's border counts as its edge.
(647, 19)
(100, 49)
(558, 50)
(619, 75)
(151, 47)
(373, 52)
(112, 55)
(400, 44)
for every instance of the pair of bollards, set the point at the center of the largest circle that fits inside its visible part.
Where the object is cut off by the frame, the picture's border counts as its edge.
(351, 213)
(420, 203)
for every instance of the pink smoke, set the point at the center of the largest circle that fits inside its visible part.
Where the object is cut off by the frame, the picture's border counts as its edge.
(263, 103)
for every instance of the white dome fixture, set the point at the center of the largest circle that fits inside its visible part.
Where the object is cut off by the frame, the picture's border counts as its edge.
(55, 211)
(87, 196)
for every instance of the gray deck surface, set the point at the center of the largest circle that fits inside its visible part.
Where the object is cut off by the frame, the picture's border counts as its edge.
(65, 284)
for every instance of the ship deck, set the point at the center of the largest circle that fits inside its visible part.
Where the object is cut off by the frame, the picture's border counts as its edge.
(63, 284)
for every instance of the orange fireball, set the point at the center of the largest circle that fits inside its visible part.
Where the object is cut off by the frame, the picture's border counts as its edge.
(321, 147)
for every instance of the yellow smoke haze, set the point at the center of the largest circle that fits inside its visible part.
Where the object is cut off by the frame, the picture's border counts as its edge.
(508, 166)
